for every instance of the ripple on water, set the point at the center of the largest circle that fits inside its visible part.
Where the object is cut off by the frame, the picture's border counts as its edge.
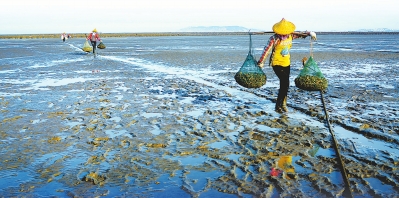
(219, 145)
(192, 160)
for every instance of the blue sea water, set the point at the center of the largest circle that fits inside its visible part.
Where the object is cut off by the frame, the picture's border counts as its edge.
(359, 42)
(206, 46)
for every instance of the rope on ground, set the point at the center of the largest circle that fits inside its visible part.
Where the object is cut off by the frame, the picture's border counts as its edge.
(347, 192)
(311, 48)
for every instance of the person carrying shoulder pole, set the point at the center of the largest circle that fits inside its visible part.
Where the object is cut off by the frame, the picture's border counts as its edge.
(63, 37)
(94, 37)
(279, 45)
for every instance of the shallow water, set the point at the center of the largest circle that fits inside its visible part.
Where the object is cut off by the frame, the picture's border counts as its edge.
(162, 116)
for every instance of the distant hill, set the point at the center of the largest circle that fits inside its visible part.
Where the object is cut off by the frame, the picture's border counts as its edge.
(378, 30)
(244, 29)
(216, 29)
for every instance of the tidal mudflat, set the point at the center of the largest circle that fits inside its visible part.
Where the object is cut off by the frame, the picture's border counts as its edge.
(163, 116)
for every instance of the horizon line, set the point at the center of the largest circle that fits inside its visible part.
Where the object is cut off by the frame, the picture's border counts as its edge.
(177, 33)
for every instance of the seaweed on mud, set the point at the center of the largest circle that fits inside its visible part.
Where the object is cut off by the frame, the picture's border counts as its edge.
(54, 140)
(13, 119)
(156, 145)
(95, 178)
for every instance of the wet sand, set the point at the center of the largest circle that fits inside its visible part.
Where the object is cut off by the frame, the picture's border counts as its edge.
(111, 128)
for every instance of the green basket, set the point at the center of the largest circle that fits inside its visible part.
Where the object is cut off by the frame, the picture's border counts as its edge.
(310, 78)
(101, 45)
(250, 74)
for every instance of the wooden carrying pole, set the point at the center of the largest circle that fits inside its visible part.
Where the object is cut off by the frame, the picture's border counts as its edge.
(297, 33)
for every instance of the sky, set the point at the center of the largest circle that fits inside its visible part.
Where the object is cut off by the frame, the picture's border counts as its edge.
(124, 16)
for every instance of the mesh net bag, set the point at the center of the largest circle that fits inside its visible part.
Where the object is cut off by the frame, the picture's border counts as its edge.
(101, 45)
(310, 78)
(87, 47)
(250, 74)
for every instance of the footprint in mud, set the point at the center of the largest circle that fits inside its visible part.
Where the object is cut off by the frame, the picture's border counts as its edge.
(203, 99)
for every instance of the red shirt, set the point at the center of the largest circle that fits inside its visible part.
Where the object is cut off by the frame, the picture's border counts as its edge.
(93, 37)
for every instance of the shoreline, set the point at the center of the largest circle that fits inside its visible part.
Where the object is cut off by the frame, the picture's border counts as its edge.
(155, 34)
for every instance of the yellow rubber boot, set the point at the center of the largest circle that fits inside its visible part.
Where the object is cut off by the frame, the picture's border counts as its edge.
(284, 105)
(278, 107)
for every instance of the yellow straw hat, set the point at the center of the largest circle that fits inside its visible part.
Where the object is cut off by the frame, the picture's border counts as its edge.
(283, 27)
(95, 30)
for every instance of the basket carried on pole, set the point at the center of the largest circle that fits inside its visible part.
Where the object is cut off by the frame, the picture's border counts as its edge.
(250, 74)
(87, 47)
(310, 78)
